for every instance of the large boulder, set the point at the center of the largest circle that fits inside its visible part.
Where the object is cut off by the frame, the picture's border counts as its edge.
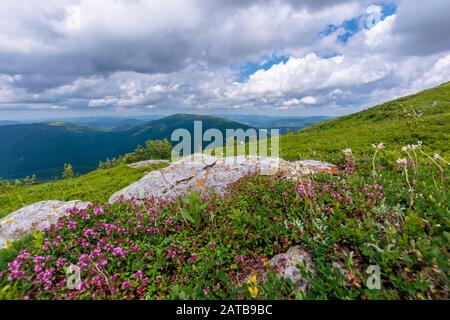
(34, 217)
(204, 172)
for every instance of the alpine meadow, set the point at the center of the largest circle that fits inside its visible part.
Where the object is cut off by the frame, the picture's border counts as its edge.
(315, 161)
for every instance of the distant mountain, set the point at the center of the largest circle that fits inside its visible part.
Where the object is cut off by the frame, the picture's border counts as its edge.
(292, 124)
(284, 123)
(8, 122)
(43, 148)
(126, 124)
(111, 123)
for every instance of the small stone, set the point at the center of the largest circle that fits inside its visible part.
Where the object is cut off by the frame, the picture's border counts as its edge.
(288, 264)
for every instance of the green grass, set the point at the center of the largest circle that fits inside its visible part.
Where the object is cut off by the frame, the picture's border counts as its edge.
(388, 123)
(96, 187)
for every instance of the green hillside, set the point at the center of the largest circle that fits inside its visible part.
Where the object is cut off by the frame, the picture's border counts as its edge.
(96, 186)
(423, 116)
(43, 148)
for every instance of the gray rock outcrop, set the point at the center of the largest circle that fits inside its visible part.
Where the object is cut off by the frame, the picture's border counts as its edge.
(146, 163)
(204, 172)
(33, 218)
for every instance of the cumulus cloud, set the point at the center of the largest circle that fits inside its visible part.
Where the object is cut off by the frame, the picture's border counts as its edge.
(186, 55)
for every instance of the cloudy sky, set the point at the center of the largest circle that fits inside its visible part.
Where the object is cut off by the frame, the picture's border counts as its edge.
(292, 57)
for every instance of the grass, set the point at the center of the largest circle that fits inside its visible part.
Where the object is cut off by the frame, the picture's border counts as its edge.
(424, 116)
(95, 187)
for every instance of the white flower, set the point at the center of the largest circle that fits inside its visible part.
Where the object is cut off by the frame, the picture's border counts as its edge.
(347, 152)
(379, 146)
(436, 157)
(405, 148)
(402, 161)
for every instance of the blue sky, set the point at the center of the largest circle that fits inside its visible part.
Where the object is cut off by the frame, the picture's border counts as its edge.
(81, 57)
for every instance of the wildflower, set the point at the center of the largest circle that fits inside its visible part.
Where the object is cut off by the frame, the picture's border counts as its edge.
(98, 211)
(379, 146)
(171, 255)
(138, 275)
(193, 258)
(38, 267)
(347, 152)
(125, 285)
(169, 221)
(252, 279)
(60, 262)
(436, 156)
(402, 162)
(253, 292)
(46, 245)
(85, 216)
(118, 252)
(212, 246)
(140, 291)
(206, 291)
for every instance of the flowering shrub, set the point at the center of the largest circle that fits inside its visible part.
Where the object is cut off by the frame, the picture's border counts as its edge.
(208, 247)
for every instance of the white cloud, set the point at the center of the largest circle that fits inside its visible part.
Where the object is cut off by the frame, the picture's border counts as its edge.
(308, 100)
(183, 55)
(314, 73)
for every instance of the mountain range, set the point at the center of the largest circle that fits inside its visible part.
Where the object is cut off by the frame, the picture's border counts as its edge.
(44, 148)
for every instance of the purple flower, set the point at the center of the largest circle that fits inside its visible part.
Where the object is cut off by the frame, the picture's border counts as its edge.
(60, 262)
(119, 252)
(193, 258)
(38, 267)
(138, 275)
(212, 246)
(85, 216)
(98, 211)
(46, 245)
(171, 255)
(125, 285)
(103, 263)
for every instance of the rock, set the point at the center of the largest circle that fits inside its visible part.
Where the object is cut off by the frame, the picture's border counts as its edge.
(287, 262)
(204, 172)
(34, 217)
(146, 163)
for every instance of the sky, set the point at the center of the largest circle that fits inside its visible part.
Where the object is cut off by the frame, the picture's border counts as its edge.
(61, 58)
